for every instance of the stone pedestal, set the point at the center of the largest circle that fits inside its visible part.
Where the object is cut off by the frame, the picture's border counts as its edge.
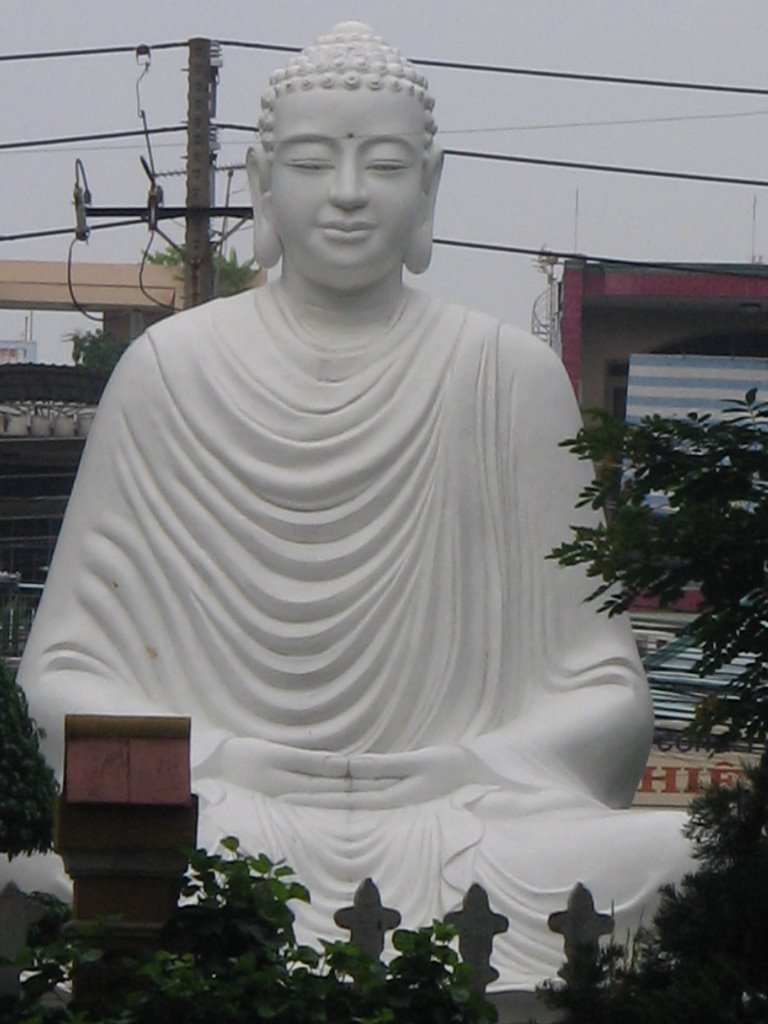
(124, 819)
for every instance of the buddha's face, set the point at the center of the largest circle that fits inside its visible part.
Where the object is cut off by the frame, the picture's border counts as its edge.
(348, 184)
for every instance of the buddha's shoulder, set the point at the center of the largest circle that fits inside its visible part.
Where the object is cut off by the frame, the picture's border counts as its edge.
(513, 348)
(201, 326)
(174, 352)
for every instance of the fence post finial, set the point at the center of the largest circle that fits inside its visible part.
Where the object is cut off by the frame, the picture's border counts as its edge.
(367, 920)
(477, 924)
(580, 925)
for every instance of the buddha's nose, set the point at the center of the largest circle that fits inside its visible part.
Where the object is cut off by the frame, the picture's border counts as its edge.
(348, 191)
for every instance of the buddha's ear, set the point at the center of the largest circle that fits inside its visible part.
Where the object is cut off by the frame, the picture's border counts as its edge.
(418, 254)
(267, 247)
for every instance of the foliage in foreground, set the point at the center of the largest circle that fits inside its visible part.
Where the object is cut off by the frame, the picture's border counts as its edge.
(28, 787)
(230, 955)
(706, 959)
(713, 533)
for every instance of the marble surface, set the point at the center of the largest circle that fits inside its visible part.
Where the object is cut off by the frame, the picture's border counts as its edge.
(315, 517)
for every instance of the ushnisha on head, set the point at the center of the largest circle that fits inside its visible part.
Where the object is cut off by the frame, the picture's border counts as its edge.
(350, 57)
(345, 173)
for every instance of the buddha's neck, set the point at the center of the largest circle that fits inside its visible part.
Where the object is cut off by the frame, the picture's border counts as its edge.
(338, 318)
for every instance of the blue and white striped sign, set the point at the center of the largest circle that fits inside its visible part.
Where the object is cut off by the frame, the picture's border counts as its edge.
(678, 385)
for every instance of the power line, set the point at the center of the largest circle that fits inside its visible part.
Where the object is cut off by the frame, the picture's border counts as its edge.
(756, 270)
(514, 250)
(91, 51)
(578, 165)
(467, 154)
(558, 125)
(252, 129)
(129, 148)
(53, 141)
(575, 76)
(43, 146)
(606, 168)
(273, 47)
(612, 122)
(458, 243)
(572, 76)
(50, 233)
(90, 137)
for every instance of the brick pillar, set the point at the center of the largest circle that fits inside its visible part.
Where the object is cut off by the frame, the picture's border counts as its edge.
(124, 816)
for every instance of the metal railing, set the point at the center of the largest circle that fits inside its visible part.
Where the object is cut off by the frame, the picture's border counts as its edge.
(16, 616)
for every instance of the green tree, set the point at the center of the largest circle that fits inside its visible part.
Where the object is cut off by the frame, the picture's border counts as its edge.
(27, 784)
(706, 957)
(712, 533)
(230, 276)
(96, 350)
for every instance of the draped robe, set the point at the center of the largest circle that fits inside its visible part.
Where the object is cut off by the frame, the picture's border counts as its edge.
(334, 556)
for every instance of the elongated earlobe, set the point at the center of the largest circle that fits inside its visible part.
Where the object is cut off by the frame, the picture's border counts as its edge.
(267, 247)
(418, 253)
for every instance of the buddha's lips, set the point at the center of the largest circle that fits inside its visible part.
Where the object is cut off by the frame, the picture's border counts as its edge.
(348, 227)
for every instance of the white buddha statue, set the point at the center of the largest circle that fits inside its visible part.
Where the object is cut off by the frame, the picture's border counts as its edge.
(315, 517)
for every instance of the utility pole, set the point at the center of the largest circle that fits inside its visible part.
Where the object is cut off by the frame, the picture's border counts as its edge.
(204, 62)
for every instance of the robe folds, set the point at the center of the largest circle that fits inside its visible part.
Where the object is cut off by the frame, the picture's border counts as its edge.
(333, 558)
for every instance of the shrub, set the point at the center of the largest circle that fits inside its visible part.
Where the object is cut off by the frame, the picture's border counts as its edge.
(27, 784)
(230, 956)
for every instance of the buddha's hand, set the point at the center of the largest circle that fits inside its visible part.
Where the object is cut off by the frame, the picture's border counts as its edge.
(282, 771)
(413, 777)
(364, 781)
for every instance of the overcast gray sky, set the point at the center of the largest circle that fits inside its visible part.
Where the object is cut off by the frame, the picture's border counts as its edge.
(618, 216)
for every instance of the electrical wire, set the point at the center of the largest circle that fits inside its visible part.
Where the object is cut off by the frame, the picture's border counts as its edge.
(142, 265)
(571, 76)
(71, 288)
(155, 197)
(144, 59)
(90, 51)
(217, 169)
(146, 132)
(227, 197)
(473, 154)
(129, 148)
(611, 123)
(576, 76)
(718, 179)
(491, 247)
(24, 236)
(48, 146)
(467, 154)
(90, 137)
(754, 270)
(606, 168)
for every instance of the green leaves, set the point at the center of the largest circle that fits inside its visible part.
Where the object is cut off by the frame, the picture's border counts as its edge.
(96, 350)
(710, 533)
(230, 956)
(28, 787)
(230, 275)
